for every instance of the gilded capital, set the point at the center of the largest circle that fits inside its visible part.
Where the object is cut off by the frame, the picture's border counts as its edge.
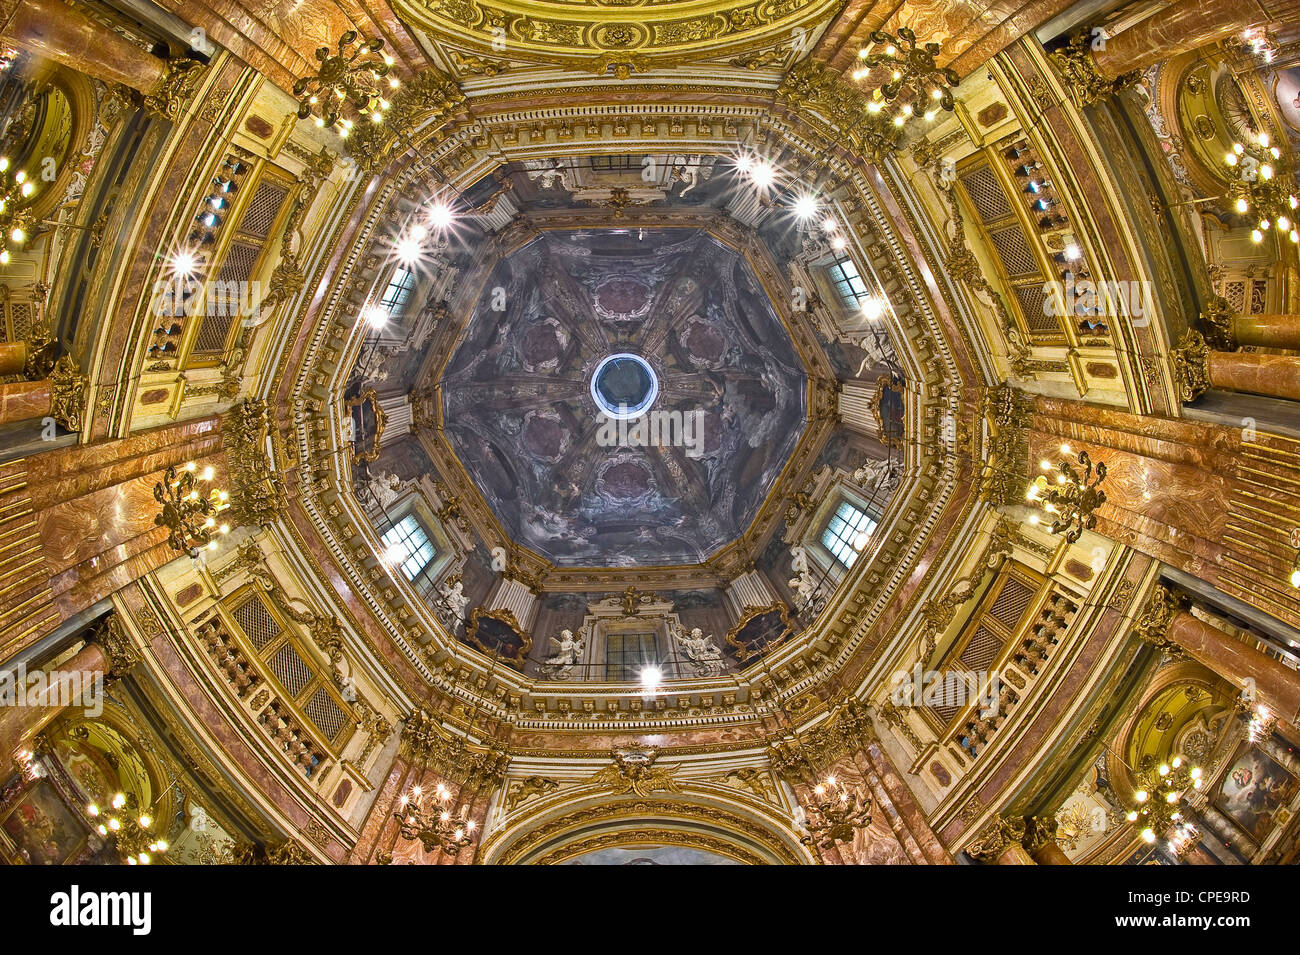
(1039, 831)
(1080, 74)
(998, 836)
(1192, 365)
(112, 637)
(1153, 626)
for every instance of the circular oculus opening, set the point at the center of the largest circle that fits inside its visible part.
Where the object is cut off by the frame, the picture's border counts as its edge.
(624, 386)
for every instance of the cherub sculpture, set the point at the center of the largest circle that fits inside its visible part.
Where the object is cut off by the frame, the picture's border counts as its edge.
(565, 652)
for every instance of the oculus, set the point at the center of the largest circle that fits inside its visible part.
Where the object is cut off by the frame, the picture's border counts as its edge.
(624, 386)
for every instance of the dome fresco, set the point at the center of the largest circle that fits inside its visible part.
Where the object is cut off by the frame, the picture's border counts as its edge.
(670, 487)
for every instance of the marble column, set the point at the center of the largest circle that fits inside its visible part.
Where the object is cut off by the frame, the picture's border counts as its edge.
(107, 652)
(1166, 625)
(1199, 368)
(13, 358)
(62, 33)
(1001, 843)
(1266, 331)
(1185, 25)
(1277, 685)
(23, 400)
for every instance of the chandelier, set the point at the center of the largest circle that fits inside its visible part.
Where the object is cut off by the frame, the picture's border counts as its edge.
(915, 80)
(15, 222)
(351, 76)
(189, 515)
(432, 822)
(1073, 498)
(136, 843)
(1159, 801)
(836, 812)
(1258, 189)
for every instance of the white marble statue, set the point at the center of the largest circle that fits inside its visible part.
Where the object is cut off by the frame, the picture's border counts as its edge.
(565, 653)
(701, 651)
(453, 595)
(805, 591)
(881, 474)
(387, 487)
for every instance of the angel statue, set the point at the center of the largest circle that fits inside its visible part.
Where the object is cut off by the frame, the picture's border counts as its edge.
(454, 598)
(883, 474)
(565, 651)
(701, 651)
(805, 591)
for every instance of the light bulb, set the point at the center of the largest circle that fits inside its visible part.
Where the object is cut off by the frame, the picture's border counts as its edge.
(440, 215)
(805, 207)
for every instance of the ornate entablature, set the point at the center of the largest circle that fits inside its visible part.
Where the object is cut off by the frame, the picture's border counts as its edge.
(617, 39)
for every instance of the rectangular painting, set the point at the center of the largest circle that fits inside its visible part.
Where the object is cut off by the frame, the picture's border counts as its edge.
(43, 830)
(1254, 791)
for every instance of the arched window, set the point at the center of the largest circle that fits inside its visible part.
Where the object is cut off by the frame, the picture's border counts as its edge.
(845, 532)
(398, 292)
(850, 286)
(408, 545)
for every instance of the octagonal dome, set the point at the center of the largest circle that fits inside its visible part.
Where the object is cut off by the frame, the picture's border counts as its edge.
(669, 326)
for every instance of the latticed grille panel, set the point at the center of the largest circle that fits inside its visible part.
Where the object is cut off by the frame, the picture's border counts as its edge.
(1013, 249)
(256, 622)
(263, 208)
(1012, 602)
(16, 316)
(213, 333)
(982, 650)
(328, 716)
(986, 194)
(1235, 293)
(239, 263)
(1031, 300)
(290, 670)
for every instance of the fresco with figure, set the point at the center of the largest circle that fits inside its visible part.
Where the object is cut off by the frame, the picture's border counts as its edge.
(520, 413)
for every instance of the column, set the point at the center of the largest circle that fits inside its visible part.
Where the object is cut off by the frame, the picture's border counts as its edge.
(1041, 844)
(107, 652)
(1001, 843)
(1199, 368)
(60, 32)
(1182, 26)
(1166, 625)
(1266, 331)
(23, 400)
(13, 358)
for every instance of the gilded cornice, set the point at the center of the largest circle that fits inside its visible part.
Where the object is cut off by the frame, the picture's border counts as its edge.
(616, 38)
